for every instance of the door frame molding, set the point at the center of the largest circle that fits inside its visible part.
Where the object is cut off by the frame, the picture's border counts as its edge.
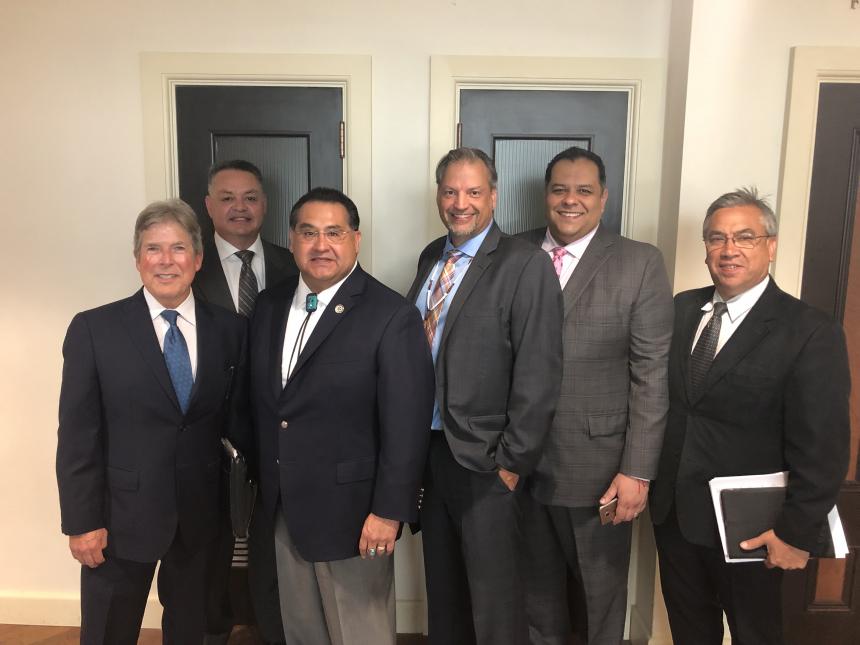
(162, 72)
(809, 67)
(643, 80)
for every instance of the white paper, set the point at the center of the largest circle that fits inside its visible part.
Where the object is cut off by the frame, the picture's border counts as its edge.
(770, 480)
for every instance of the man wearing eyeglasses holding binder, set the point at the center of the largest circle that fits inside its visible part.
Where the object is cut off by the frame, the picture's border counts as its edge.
(758, 383)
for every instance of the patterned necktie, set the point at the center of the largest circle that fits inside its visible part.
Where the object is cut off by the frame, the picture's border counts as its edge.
(558, 254)
(706, 348)
(177, 359)
(443, 286)
(248, 288)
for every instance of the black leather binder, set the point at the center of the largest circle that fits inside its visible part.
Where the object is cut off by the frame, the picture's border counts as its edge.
(243, 491)
(748, 512)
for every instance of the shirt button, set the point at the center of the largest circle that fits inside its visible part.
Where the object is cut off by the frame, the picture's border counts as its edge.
(278, 461)
(284, 425)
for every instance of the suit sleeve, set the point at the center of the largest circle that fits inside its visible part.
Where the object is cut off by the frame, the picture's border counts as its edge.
(816, 435)
(80, 437)
(536, 338)
(405, 390)
(651, 322)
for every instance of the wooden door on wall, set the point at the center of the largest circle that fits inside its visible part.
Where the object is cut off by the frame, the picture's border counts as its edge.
(822, 603)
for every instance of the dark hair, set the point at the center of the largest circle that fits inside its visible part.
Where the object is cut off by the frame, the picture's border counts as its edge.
(471, 155)
(572, 154)
(743, 197)
(233, 164)
(168, 210)
(327, 196)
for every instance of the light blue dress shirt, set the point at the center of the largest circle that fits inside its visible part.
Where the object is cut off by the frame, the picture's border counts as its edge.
(469, 249)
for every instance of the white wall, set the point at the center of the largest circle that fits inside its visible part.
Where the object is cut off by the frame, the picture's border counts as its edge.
(736, 101)
(72, 181)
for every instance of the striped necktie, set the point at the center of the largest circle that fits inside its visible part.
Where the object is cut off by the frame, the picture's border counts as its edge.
(439, 293)
(248, 288)
(706, 348)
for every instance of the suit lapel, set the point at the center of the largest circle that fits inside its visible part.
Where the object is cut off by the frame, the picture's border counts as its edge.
(597, 252)
(476, 269)
(139, 325)
(276, 270)
(211, 282)
(428, 259)
(207, 349)
(347, 297)
(691, 318)
(756, 325)
(280, 314)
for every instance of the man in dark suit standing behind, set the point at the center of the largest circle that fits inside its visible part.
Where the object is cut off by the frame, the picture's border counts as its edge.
(342, 389)
(758, 383)
(237, 265)
(492, 316)
(150, 385)
(608, 428)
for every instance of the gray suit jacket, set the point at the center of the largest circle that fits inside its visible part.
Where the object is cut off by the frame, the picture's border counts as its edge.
(499, 364)
(611, 413)
(210, 283)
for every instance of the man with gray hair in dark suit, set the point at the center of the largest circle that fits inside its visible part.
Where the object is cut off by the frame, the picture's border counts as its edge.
(606, 437)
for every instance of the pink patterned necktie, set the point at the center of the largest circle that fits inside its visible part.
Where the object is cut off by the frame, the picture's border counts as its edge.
(558, 254)
(440, 291)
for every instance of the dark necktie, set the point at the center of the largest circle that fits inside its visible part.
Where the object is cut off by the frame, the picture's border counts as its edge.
(177, 359)
(248, 288)
(705, 350)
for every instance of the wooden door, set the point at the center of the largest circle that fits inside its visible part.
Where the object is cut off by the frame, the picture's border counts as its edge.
(822, 603)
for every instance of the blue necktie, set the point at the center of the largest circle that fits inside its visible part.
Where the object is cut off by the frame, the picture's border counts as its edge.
(177, 359)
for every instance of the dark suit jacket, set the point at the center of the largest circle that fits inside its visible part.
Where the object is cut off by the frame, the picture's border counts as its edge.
(775, 398)
(349, 434)
(128, 459)
(210, 283)
(614, 394)
(498, 368)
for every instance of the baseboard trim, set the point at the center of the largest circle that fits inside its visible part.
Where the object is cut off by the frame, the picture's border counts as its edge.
(65, 610)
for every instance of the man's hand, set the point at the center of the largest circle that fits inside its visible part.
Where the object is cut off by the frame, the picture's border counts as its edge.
(87, 548)
(779, 554)
(508, 478)
(632, 494)
(378, 536)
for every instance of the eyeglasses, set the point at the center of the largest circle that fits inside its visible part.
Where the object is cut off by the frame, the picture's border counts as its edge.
(333, 235)
(745, 240)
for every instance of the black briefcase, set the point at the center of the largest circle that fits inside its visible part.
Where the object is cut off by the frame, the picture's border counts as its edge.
(243, 491)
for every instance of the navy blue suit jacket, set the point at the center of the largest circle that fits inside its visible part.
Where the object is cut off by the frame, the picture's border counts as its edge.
(348, 435)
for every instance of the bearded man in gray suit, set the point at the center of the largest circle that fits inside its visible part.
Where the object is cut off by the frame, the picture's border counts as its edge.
(606, 437)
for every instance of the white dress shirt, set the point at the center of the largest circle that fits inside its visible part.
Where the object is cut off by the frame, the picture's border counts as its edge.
(295, 338)
(737, 309)
(186, 321)
(571, 258)
(232, 265)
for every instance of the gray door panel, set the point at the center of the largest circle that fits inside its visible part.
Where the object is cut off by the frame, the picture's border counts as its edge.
(523, 129)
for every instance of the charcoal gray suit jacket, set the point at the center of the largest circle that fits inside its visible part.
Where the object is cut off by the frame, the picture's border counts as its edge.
(611, 413)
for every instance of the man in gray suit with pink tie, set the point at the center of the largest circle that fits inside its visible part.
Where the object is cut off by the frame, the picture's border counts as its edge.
(607, 433)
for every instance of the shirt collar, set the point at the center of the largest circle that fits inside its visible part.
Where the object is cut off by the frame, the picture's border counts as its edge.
(741, 303)
(469, 247)
(225, 249)
(323, 297)
(575, 248)
(186, 309)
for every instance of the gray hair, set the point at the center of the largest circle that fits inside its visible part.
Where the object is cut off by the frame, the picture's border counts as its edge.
(743, 197)
(169, 210)
(469, 155)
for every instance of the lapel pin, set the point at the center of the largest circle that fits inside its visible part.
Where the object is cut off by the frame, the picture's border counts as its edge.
(339, 309)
